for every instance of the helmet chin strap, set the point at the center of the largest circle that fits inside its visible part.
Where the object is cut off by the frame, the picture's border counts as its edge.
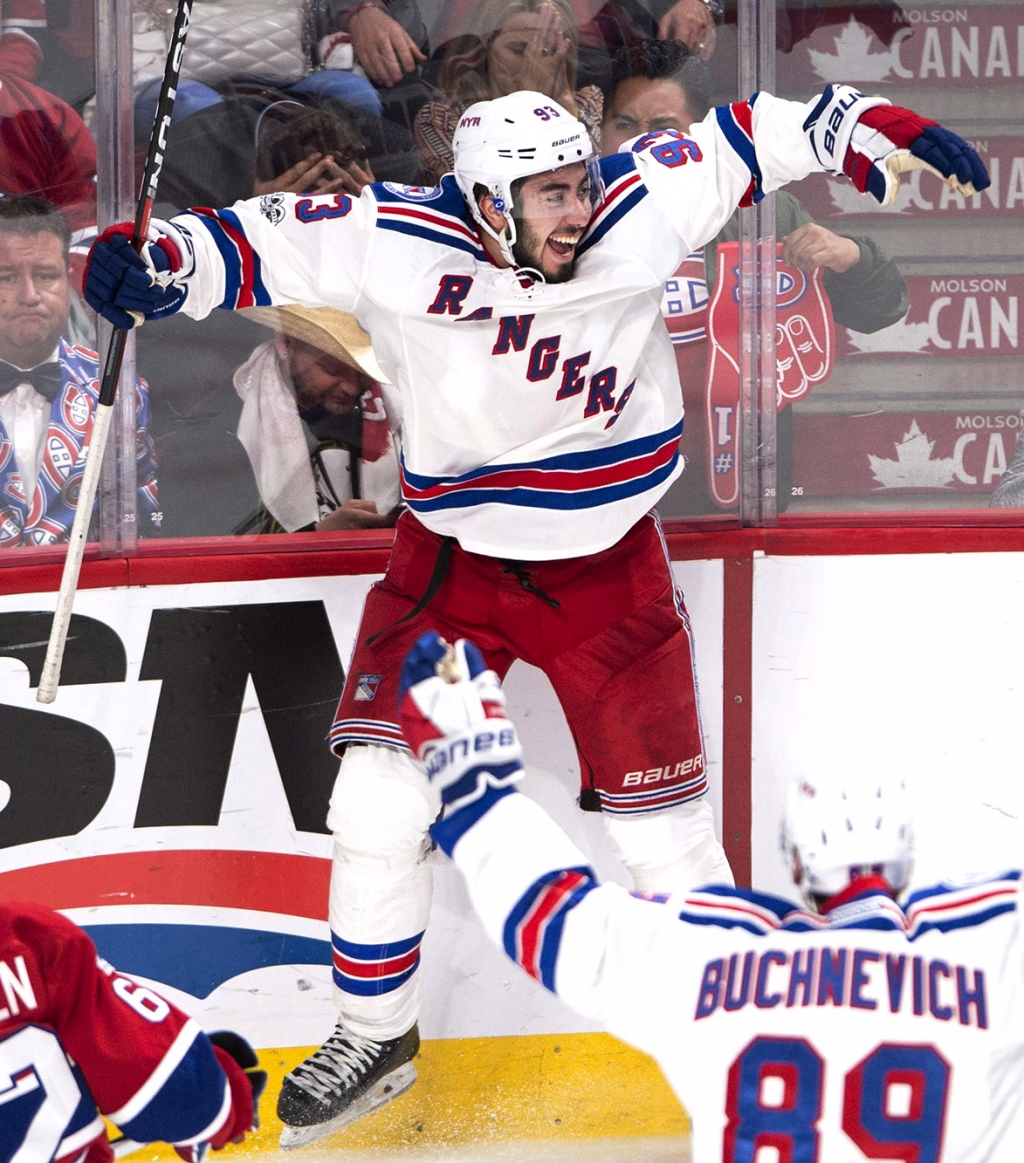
(506, 239)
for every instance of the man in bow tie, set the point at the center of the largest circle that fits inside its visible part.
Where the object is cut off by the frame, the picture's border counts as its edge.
(48, 384)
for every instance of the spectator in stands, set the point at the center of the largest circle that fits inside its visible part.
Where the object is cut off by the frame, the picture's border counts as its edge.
(660, 85)
(510, 45)
(311, 151)
(389, 38)
(212, 156)
(48, 386)
(238, 41)
(315, 429)
(313, 422)
(45, 147)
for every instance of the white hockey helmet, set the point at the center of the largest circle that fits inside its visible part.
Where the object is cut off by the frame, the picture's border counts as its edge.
(525, 133)
(840, 831)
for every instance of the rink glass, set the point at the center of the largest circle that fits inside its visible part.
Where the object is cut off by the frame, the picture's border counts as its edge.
(912, 424)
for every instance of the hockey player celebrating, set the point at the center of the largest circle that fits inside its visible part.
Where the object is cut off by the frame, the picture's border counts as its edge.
(853, 1029)
(77, 1038)
(516, 308)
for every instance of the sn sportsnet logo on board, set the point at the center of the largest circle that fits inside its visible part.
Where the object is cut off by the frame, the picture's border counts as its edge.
(192, 848)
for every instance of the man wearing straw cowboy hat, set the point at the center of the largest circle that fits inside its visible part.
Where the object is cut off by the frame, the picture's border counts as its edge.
(517, 308)
(315, 425)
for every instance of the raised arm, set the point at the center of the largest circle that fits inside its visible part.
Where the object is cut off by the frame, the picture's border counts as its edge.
(742, 151)
(592, 944)
(277, 249)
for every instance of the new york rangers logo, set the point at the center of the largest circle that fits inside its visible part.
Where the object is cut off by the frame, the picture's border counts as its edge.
(76, 408)
(366, 688)
(414, 193)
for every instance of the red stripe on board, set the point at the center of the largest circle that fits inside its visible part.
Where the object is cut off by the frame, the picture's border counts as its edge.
(737, 631)
(270, 882)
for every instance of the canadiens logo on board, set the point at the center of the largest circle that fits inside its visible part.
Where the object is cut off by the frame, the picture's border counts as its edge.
(805, 353)
(414, 193)
(366, 688)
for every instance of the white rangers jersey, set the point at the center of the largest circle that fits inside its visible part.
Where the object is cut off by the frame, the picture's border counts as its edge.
(873, 1033)
(539, 421)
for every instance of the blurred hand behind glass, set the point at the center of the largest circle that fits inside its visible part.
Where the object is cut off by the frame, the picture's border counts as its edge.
(383, 47)
(319, 174)
(691, 22)
(357, 514)
(530, 52)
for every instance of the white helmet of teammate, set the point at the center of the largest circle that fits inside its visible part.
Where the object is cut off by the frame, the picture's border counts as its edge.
(497, 142)
(832, 833)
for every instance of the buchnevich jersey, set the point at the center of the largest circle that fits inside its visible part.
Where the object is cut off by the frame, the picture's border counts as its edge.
(873, 1033)
(66, 1015)
(539, 421)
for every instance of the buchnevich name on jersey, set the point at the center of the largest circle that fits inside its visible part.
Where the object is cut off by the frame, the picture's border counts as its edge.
(863, 979)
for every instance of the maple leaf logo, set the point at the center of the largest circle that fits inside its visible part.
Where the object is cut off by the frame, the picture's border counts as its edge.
(901, 337)
(913, 467)
(853, 59)
(847, 199)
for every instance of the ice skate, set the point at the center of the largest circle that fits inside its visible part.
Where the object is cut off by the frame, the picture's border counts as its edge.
(348, 1077)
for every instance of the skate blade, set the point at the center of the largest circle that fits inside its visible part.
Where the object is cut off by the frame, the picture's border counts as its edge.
(389, 1087)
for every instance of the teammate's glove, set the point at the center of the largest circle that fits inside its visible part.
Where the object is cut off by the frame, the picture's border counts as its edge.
(126, 287)
(873, 142)
(246, 1082)
(453, 717)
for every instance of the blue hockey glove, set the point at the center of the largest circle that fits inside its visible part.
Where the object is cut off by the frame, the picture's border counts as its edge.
(873, 142)
(452, 710)
(127, 287)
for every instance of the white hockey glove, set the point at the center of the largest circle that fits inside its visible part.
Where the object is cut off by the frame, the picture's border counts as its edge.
(126, 286)
(453, 717)
(872, 142)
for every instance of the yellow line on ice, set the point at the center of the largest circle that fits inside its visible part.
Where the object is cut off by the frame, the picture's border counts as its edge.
(495, 1090)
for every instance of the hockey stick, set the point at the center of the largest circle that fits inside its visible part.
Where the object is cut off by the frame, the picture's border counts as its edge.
(92, 452)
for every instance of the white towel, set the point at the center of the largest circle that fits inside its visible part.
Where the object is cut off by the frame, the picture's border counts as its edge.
(274, 437)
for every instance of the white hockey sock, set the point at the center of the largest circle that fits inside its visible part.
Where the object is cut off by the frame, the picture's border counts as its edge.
(380, 812)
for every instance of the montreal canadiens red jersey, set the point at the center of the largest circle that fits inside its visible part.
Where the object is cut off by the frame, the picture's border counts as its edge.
(78, 1038)
(875, 1032)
